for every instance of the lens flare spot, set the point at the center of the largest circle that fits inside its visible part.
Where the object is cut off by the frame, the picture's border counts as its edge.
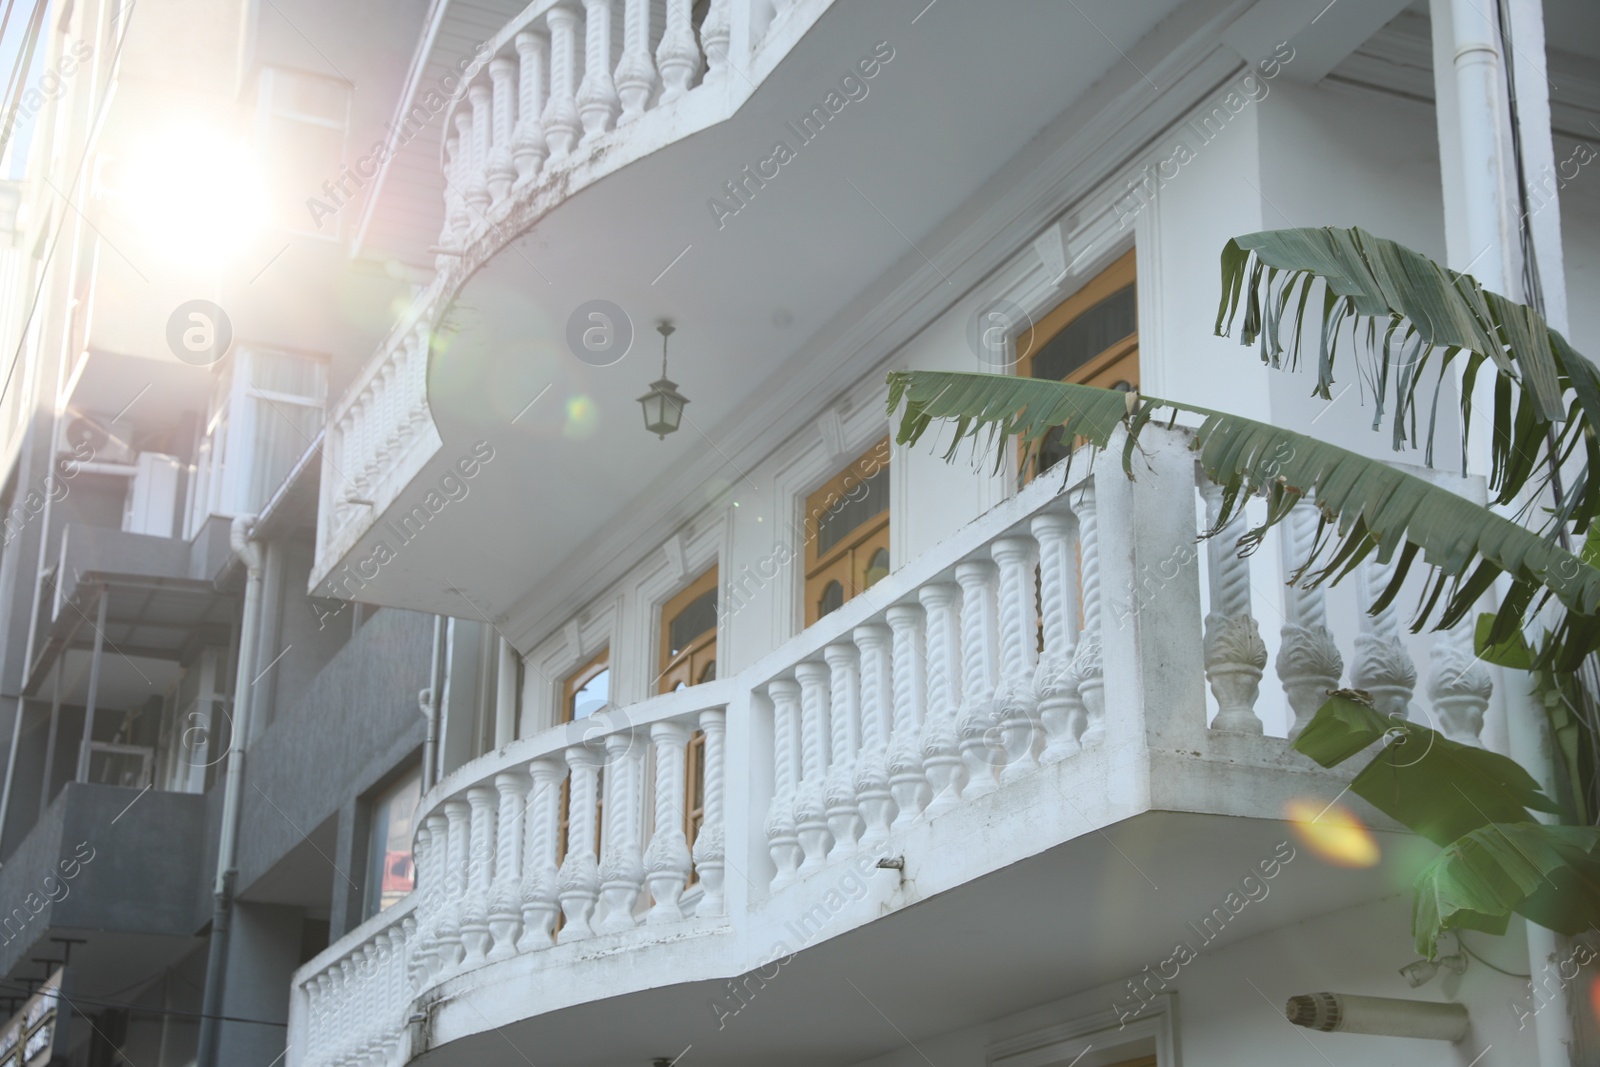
(1333, 833)
(582, 417)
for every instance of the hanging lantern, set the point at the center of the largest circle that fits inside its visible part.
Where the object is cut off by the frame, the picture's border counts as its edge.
(663, 404)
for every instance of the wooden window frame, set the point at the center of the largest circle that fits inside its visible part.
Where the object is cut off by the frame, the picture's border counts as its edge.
(1117, 276)
(702, 644)
(848, 561)
(600, 661)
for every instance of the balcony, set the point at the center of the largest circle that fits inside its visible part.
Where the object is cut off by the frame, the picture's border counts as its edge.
(1016, 719)
(568, 181)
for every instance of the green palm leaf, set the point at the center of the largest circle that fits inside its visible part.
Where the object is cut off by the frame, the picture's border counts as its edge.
(1421, 308)
(1549, 874)
(1368, 505)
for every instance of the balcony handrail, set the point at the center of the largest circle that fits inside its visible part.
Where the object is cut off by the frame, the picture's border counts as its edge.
(339, 949)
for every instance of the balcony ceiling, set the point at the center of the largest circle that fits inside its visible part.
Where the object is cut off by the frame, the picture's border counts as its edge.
(963, 93)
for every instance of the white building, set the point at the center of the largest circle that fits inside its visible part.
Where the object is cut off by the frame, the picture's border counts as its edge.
(816, 841)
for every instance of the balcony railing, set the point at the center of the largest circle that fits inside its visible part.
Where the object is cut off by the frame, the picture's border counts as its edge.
(1061, 635)
(564, 95)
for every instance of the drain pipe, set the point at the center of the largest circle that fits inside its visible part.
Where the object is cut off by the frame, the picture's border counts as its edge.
(428, 702)
(249, 553)
(1335, 1013)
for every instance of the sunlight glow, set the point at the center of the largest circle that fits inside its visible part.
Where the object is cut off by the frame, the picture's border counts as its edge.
(194, 193)
(1335, 835)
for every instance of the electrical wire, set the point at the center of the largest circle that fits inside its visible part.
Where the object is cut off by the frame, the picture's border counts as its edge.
(1509, 974)
(102, 1003)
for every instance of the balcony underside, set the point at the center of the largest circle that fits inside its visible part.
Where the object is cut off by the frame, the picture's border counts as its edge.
(766, 300)
(971, 934)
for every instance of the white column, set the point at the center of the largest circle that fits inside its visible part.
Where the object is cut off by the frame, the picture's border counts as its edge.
(1235, 653)
(844, 721)
(667, 861)
(528, 149)
(477, 187)
(597, 96)
(907, 782)
(978, 726)
(782, 836)
(540, 903)
(941, 747)
(622, 871)
(1061, 713)
(810, 812)
(480, 872)
(636, 70)
(500, 172)
(678, 56)
(1382, 666)
(710, 844)
(579, 878)
(456, 815)
(1019, 643)
(1308, 663)
(505, 900)
(561, 110)
(872, 764)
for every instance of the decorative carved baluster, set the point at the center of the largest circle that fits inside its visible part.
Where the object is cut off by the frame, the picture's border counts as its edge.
(404, 354)
(597, 95)
(978, 724)
(844, 720)
(716, 32)
(528, 149)
(941, 746)
(541, 880)
(1087, 670)
(622, 873)
(1309, 664)
(420, 339)
(636, 72)
(1459, 686)
(505, 899)
(872, 764)
(1235, 653)
(477, 187)
(450, 946)
(561, 110)
(1019, 653)
(384, 416)
(1061, 711)
(710, 844)
(366, 472)
(455, 201)
(317, 1006)
(339, 1024)
(499, 170)
(480, 872)
(810, 809)
(677, 56)
(783, 841)
(1382, 665)
(579, 879)
(466, 167)
(429, 848)
(907, 782)
(666, 862)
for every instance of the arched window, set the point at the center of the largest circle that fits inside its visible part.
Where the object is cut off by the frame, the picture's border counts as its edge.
(847, 533)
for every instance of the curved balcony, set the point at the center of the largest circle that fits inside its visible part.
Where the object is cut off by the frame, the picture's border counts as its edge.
(931, 770)
(563, 96)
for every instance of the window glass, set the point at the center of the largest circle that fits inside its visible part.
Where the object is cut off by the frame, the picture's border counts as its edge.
(390, 871)
(847, 533)
(587, 689)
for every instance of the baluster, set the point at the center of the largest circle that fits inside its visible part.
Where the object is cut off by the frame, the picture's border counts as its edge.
(342, 1021)
(1019, 652)
(810, 811)
(597, 95)
(1061, 711)
(1458, 685)
(710, 844)
(528, 149)
(1308, 664)
(451, 947)
(561, 110)
(1235, 653)
(316, 1023)
(404, 355)
(677, 56)
(455, 201)
(1382, 665)
(382, 408)
(941, 746)
(499, 170)
(430, 874)
(540, 880)
(579, 878)
(399, 986)
(844, 742)
(505, 899)
(1087, 669)
(477, 187)
(466, 166)
(367, 473)
(421, 341)
(978, 725)
(636, 72)
(907, 782)
(666, 862)
(622, 874)
(480, 871)
(872, 765)
(716, 32)
(783, 841)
